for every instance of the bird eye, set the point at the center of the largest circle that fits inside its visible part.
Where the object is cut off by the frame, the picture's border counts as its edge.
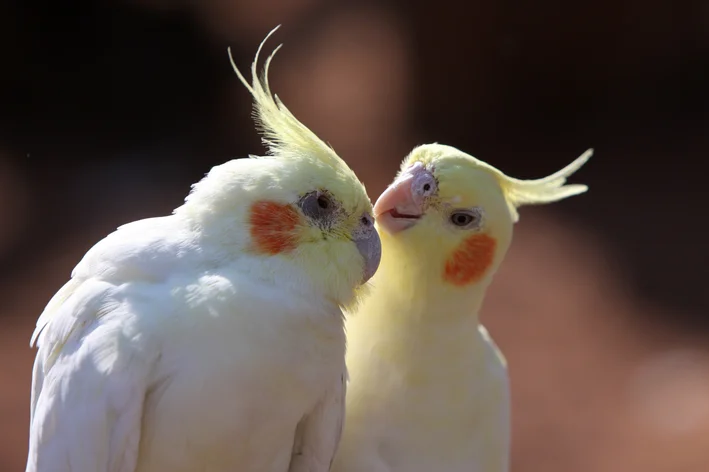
(467, 219)
(323, 202)
(317, 205)
(462, 219)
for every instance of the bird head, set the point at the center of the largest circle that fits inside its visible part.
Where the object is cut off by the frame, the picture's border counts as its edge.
(459, 211)
(300, 210)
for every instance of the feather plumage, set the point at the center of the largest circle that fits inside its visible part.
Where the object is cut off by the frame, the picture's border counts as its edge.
(212, 338)
(429, 389)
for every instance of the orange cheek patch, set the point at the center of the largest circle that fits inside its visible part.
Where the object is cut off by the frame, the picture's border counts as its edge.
(470, 260)
(272, 227)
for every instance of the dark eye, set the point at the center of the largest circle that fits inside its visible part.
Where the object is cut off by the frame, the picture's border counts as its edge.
(462, 219)
(323, 202)
(317, 205)
(467, 218)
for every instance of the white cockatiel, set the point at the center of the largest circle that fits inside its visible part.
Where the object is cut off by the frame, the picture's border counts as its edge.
(212, 339)
(428, 387)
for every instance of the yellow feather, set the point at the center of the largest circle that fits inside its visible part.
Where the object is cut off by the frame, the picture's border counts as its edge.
(428, 385)
(282, 133)
(546, 190)
(306, 163)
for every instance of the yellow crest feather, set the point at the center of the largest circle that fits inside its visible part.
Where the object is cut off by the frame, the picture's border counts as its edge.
(282, 133)
(539, 191)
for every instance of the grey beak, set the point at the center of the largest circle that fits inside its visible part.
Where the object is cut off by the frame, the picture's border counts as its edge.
(369, 245)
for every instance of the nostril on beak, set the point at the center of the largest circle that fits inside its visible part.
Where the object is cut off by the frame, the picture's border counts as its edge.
(424, 185)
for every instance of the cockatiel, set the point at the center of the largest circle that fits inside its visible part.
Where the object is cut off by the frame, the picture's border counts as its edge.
(212, 339)
(428, 387)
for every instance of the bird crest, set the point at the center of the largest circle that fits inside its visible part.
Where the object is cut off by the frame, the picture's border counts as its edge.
(539, 191)
(281, 132)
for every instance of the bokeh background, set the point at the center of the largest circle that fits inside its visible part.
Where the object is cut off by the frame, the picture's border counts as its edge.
(110, 109)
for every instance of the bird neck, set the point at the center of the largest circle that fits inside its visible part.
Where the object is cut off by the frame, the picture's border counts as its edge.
(414, 324)
(410, 296)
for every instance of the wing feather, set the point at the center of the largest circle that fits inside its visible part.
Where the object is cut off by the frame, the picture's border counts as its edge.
(319, 434)
(89, 383)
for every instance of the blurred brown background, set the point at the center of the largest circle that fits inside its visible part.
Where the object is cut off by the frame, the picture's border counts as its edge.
(110, 109)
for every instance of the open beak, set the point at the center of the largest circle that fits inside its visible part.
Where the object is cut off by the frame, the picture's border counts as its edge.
(400, 206)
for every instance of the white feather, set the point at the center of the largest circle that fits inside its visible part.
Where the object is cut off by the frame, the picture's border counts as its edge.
(160, 355)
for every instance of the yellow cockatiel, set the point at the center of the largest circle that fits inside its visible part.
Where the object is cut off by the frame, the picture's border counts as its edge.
(428, 388)
(212, 339)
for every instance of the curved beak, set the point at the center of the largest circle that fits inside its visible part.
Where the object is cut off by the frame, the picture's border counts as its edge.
(369, 246)
(397, 208)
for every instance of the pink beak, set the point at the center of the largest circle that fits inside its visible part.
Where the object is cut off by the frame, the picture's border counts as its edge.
(401, 204)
